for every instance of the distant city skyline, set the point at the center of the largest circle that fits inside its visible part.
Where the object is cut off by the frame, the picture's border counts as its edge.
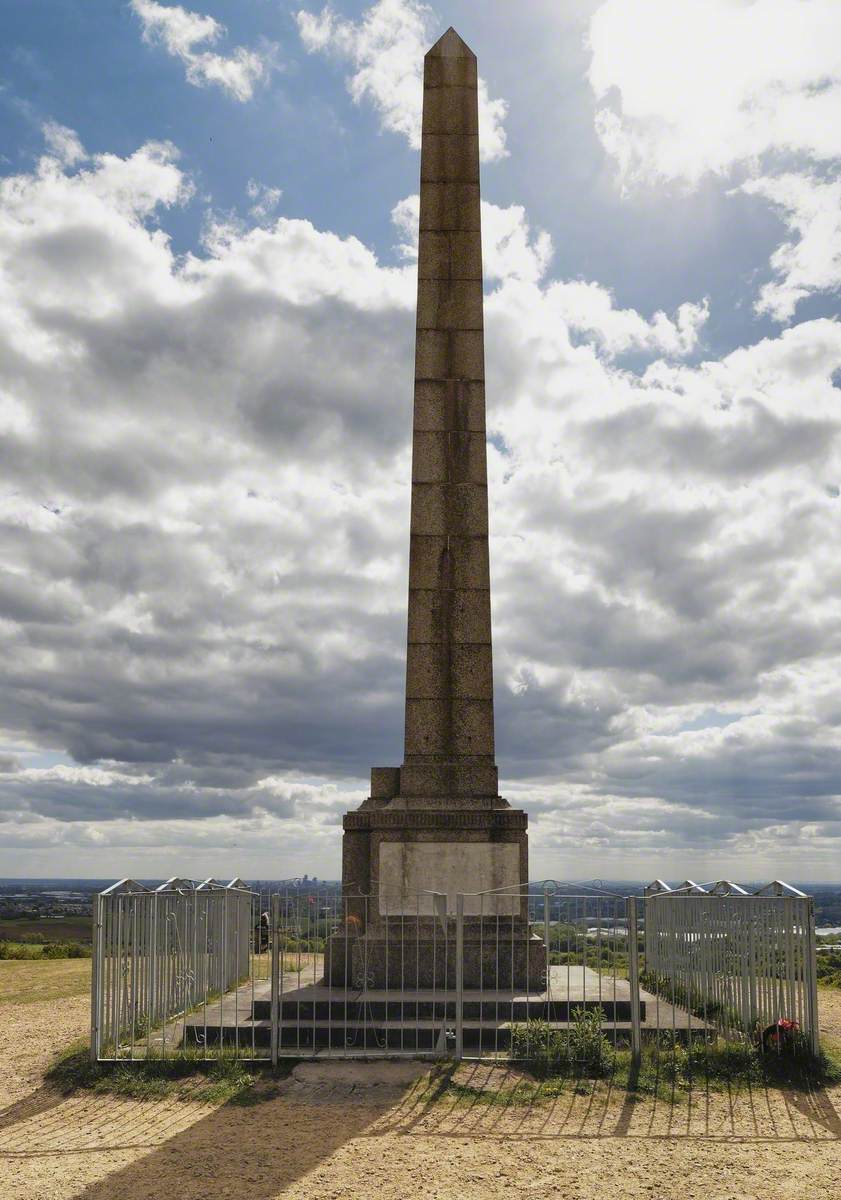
(208, 224)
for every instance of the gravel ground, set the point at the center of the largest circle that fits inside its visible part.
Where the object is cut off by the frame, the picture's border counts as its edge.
(360, 1135)
(30, 1035)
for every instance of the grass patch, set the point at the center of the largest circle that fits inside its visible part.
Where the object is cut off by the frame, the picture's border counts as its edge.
(182, 1076)
(305, 964)
(670, 1072)
(721, 1065)
(829, 968)
(444, 1085)
(26, 982)
(522, 1094)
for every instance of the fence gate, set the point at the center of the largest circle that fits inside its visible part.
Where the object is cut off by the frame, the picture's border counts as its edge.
(455, 977)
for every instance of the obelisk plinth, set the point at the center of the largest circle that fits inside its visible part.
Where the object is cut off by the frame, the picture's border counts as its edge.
(438, 824)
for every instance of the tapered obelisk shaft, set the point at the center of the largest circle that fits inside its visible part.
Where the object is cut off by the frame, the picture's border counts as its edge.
(434, 832)
(449, 748)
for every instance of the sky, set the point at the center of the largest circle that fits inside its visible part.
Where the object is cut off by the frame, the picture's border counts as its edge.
(208, 225)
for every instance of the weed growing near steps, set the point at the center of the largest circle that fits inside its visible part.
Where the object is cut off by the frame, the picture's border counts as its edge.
(668, 1076)
(582, 1049)
(183, 1076)
(583, 1060)
(584, 1053)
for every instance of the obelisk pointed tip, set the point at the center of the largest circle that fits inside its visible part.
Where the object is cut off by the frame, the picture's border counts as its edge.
(450, 45)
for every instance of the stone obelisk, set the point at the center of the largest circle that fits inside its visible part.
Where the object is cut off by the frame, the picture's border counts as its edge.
(438, 824)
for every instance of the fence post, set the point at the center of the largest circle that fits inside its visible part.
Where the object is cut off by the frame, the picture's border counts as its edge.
(459, 976)
(812, 978)
(750, 909)
(154, 964)
(96, 978)
(634, 980)
(274, 934)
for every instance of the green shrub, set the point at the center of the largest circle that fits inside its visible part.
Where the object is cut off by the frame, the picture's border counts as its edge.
(66, 950)
(31, 951)
(19, 951)
(581, 1048)
(829, 969)
(724, 1062)
(539, 1045)
(587, 1043)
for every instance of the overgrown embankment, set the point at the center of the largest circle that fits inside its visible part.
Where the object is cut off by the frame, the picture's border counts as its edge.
(33, 951)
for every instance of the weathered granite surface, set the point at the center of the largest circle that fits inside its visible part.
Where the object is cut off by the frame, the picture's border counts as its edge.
(446, 790)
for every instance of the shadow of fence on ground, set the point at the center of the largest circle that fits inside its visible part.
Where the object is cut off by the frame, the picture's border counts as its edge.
(184, 1148)
(505, 1102)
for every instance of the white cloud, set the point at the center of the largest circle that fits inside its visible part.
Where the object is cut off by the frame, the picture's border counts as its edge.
(717, 86)
(265, 199)
(405, 217)
(63, 143)
(811, 209)
(203, 523)
(511, 250)
(704, 85)
(589, 308)
(182, 34)
(386, 48)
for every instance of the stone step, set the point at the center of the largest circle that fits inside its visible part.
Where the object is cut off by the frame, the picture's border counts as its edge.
(375, 1036)
(413, 1010)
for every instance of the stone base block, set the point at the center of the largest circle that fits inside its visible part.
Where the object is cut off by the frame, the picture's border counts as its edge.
(497, 961)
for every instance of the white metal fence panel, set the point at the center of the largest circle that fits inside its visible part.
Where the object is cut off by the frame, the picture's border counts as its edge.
(157, 955)
(355, 976)
(740, 963)
(582, 940)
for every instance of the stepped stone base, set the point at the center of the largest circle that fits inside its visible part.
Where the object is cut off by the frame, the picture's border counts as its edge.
(405, 861)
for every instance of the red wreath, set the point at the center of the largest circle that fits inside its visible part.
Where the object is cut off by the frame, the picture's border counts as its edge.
(780, 1035)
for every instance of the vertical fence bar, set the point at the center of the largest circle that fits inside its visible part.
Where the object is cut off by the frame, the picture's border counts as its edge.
(154, 971)
(346, 971)
(634, 981)
(96, 979)
(546, 933)
(118, 974)
(797, 966)
(274, 934)
(132, 994)
(750, 910)
(459, 1047)
(103, 975)
(812, 977)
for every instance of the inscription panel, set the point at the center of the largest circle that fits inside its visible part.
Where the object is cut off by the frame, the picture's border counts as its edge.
(409, 871)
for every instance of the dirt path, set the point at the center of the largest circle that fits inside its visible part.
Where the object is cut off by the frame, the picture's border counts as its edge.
(335, 1137)
(829, 1015)
(30, 1035)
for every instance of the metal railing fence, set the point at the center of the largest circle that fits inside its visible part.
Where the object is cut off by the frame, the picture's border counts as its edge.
(741, 963)
(159, 953)
(548, 970)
